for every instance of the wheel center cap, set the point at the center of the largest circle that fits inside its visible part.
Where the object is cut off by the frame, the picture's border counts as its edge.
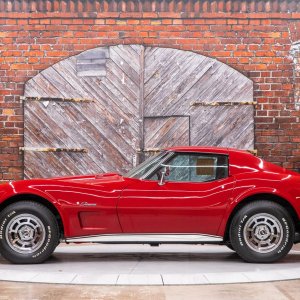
(26, 233)
(262, 232)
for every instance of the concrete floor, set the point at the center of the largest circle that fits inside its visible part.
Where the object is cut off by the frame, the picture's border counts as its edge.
(144, 265)
(281, 290)
(288, 290)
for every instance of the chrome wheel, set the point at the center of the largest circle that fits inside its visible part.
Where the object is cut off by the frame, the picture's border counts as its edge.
(25, 233)
(263, 233)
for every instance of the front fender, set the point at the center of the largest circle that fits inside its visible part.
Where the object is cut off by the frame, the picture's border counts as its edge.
(20, 189)
(12, 189)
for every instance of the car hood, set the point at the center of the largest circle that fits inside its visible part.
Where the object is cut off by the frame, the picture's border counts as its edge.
(107, 180)
(51, 188)
(91, 179)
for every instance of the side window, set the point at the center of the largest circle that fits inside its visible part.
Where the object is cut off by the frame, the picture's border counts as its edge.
(194, 168)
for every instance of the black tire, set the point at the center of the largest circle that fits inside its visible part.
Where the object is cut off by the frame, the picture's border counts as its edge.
(271, 237)
(29, 233)
(229, 246)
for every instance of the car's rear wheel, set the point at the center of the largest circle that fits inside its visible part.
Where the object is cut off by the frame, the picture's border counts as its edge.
(262, 232)
(28, 232)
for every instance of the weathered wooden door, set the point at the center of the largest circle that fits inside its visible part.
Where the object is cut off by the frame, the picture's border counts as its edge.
(103, 109)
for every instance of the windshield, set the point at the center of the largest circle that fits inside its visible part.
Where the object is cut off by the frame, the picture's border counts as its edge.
(141, 170)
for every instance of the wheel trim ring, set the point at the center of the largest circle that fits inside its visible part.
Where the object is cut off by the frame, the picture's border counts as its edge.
(25, 233)
(270, 225)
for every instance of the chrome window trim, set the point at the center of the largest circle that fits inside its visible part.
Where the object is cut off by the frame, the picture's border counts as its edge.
(174, 153)
(157, 165)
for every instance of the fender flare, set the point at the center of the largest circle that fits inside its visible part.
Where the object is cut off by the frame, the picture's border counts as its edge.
(12, 190)
(241, 198)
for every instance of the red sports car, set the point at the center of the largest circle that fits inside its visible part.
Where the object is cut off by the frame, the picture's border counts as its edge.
(194, 195)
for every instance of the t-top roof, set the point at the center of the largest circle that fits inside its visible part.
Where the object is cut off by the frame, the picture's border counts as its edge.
(206, 149)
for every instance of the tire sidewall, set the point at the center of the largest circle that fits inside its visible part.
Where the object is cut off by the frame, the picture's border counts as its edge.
(47, 246)
(238, 239)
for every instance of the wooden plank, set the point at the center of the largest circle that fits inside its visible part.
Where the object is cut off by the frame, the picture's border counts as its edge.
(155, 60)
(93, 85)
(74, 133)
(56, 76)
(173, 84)
(108, 127)
(72, 82)
(40, 129)
(224, 126)
(162, 66)
(39, 87)
(163, 132)
(117, 103)
(148, 99)
(125, 57)
(54, 164)
(141, 105)
(122, 82)
(222, 83)
(40, 135)
(125, 66)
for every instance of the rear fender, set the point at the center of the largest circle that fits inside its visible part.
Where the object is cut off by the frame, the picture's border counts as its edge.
(250, 193)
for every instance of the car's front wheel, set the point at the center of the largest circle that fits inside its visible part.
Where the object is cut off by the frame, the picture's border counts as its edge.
(262, 232)
(28, 232)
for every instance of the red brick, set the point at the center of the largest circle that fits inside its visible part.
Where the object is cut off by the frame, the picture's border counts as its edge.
(256, 45)
(150, 15)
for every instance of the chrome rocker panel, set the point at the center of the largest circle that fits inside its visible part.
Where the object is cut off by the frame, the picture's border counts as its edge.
(147, 238)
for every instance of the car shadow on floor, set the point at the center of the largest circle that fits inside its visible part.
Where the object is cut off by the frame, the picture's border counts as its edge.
(226, 257)
(136, 256)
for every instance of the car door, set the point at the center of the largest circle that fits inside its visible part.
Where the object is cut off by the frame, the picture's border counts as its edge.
(191, 199)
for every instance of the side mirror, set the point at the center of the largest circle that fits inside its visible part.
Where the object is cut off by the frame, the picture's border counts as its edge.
(164, 173)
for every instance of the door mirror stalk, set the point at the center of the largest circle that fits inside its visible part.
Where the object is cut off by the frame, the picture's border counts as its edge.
(162, 178)
(164, 174)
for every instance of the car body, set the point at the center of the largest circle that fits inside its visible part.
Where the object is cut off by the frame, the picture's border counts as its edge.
(183, 195)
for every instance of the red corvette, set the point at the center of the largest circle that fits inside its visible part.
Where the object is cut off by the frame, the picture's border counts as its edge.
(195, 195)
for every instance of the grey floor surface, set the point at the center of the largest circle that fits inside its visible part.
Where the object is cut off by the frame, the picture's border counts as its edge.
(146, 265)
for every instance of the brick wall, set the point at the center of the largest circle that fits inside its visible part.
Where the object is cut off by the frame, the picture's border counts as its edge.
(261, 45)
